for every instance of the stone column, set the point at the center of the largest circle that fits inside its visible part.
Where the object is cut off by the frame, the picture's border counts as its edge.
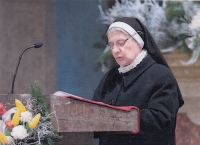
(188, 119)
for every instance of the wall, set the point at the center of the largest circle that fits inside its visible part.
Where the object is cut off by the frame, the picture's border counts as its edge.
(66, 61)
(78, 29)
(22, 23)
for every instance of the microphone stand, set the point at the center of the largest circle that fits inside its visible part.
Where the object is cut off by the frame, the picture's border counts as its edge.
(20, 57)
(36, 45)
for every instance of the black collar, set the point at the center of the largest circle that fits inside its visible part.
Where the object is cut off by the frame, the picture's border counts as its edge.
(114, 78)
(137, 71)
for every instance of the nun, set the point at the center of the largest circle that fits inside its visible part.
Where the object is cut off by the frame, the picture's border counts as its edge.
(143, 79)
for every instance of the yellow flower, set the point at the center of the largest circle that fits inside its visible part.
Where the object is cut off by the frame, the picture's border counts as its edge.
(20, 106)
(15, 119)
(33, 123)
(3, 138)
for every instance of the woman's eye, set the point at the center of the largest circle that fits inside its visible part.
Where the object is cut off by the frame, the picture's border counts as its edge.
(120, 43)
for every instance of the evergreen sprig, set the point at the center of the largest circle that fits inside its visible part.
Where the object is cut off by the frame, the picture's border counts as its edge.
(104, 56)
(42, 105)
(36, 94)
(174, 10)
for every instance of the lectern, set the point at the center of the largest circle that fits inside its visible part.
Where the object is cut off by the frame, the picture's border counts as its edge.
(77, 119)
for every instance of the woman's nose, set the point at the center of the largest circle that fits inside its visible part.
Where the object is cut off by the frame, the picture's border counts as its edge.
(115, 49)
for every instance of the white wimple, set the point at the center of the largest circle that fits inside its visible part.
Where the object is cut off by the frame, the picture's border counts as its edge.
(129, 30)
(137, 61)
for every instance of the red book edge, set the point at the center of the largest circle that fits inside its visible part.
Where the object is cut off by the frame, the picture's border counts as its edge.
(122, 108)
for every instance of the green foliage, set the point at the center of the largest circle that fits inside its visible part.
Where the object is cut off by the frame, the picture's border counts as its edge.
(26, 125)
(36, 94)
(183, 49)
(103, 57)
(181, 37)
(41, 102)
(174, 10)
(7, 132)
(53, 138)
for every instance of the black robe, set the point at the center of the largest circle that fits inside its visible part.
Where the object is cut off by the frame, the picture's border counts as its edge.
(153, 89)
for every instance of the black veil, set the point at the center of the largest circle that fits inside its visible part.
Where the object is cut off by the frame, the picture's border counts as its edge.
(149, 44)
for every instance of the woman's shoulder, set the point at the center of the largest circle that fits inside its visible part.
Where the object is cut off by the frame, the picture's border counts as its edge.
(160, 72)
(161, 69)
(150, 67)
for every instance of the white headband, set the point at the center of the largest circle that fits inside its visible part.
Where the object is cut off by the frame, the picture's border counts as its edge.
(129, 30)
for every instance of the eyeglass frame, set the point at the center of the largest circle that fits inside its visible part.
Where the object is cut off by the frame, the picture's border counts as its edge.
(118, 44)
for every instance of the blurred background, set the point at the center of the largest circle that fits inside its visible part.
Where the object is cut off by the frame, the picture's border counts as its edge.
(66, 61)
(70, 30)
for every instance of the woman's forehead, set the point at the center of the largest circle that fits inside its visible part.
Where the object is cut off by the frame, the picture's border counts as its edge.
(117, 33)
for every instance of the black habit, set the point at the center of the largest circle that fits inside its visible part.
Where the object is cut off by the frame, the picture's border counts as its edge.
(153, 89)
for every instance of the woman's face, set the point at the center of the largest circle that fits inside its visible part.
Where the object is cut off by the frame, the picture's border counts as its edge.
(124, 48)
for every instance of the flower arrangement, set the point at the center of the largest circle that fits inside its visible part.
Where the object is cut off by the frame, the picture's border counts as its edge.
(18, 125)
(174, 24)
(22, 125)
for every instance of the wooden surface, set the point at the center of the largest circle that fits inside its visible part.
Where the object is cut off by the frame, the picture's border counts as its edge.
(71, 115)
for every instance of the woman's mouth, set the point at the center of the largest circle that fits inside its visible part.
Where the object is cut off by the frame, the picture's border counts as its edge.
(118, 58)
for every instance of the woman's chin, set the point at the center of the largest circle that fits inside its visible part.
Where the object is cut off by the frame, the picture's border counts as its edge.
(122, 64)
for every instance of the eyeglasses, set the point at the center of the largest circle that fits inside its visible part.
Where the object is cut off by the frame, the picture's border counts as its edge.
(119, 43)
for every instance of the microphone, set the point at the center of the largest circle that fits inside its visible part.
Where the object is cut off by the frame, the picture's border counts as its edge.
(36, 45)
